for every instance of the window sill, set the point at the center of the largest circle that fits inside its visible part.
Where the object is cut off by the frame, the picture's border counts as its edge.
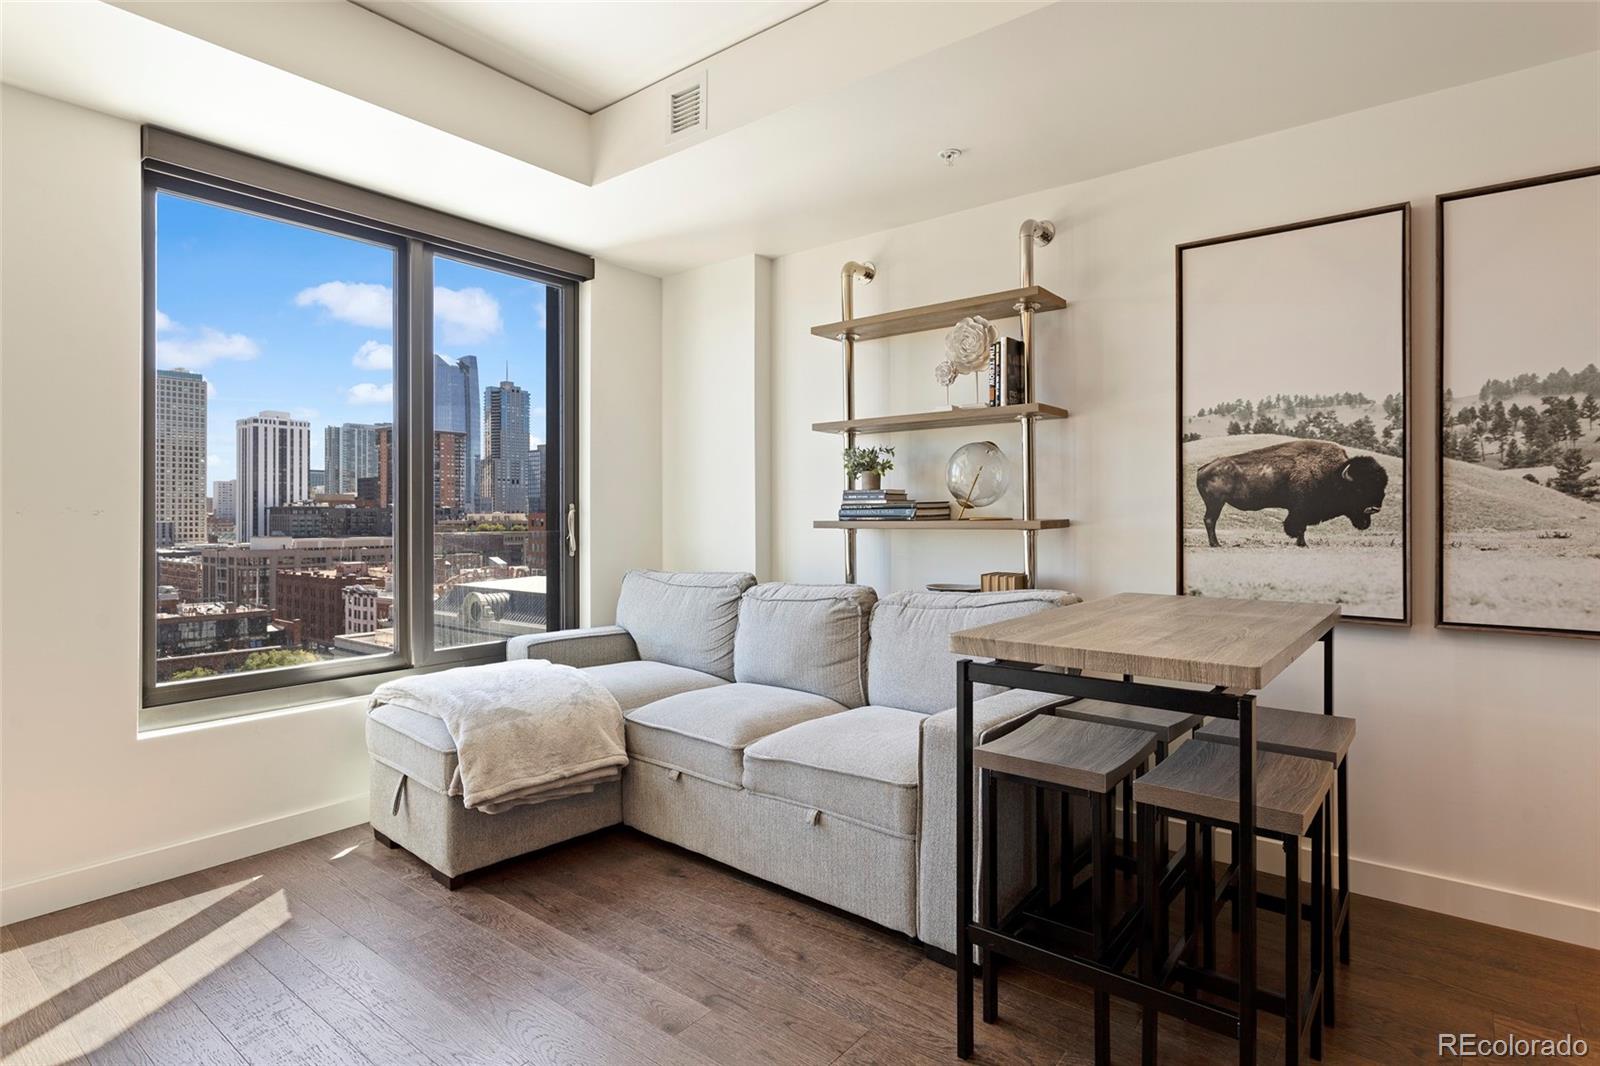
(165, 719)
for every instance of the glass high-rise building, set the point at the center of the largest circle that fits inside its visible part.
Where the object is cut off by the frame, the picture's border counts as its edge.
(455, 410)
(505, 445)
(181, 456)
(349, 453)
(274, 456)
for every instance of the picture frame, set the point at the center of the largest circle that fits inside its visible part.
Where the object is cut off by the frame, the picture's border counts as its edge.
(1518, 552)
(1334, 292)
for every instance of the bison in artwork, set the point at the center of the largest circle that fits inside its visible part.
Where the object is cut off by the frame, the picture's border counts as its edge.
(1312, 479)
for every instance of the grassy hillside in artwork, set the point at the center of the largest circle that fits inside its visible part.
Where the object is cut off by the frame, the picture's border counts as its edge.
(1362, 570)
(1518, 553)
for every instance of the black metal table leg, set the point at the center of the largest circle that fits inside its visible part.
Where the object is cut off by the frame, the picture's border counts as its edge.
(1149, 900)
(963, 859)
(1320, 943)
(1101, 877)
(988, 896)
(1245, 856)
(1343, 910)
(1291, 951)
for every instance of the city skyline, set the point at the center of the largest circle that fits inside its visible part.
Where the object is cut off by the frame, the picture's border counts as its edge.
(282, 317)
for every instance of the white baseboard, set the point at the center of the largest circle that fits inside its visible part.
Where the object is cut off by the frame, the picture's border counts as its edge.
(45, 894)
(1507, 908)
(1563, 920)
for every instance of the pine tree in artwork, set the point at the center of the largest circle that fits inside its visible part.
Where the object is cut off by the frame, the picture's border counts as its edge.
(1589, 409)
(1572, 475)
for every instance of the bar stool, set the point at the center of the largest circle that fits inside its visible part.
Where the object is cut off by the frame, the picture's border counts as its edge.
(1075, 759)
(1326, 738)
(1166, 726)
(1199, 784)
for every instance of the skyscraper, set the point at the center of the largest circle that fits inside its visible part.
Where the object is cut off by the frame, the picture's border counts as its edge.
(350, 453)
(455, 410)
(181, 455)
(505, 446)
(274, 453)
(534, 479)
(225, 495)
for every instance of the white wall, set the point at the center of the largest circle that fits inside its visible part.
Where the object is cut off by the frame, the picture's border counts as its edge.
(1474, 778)
(619, 427)
(87, 805)
(715, 360)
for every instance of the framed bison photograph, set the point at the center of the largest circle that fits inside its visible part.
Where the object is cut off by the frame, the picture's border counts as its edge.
(1519, 400)
(1293, 355)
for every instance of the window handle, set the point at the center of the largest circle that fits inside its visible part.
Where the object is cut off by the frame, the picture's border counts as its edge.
(572, 530)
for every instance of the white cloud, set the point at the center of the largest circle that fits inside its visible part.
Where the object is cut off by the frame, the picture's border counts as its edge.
(163, 323)
(211, 391)
(465, 316)
(357, 302)
(365, 392)
(374, 356)
(194, 348)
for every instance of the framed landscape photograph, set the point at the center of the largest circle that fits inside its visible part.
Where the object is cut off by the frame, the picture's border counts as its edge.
(1293, 356)
(1519, 404)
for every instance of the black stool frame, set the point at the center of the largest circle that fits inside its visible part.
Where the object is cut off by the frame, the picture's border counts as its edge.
(1302, 1006)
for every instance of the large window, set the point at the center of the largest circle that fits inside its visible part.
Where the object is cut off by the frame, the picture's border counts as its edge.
(357, 435)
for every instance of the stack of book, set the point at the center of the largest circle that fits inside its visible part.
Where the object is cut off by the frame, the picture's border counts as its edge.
(888, 505)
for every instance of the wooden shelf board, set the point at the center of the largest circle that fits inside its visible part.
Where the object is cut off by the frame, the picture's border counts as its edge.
(994, 306)
(967, 416)
(951, 524)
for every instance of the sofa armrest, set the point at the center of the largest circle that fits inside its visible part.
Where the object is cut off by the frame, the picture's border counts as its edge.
(595, 646)
(936, 847)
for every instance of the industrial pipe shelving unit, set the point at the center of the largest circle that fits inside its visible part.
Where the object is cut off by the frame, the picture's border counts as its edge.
(1022, 302)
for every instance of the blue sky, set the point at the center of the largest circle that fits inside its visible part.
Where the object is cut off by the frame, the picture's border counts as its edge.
(281, 317)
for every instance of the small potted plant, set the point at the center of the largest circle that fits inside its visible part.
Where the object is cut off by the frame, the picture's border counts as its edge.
(866, 466)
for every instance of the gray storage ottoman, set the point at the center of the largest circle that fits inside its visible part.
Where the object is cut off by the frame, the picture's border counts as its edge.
(412, 760)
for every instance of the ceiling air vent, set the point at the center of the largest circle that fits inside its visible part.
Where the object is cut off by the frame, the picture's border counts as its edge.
(686, 107)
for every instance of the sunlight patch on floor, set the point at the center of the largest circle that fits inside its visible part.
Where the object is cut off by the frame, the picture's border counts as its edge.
(128, 954)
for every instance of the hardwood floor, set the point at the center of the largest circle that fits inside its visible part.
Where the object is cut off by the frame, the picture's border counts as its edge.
(619, 949)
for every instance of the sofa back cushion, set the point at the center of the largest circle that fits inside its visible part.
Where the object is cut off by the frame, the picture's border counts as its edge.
(807, 637)
(683, 619)
(910, 664)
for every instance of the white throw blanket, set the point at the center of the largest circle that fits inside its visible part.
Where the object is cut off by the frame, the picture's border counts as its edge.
(525, 732)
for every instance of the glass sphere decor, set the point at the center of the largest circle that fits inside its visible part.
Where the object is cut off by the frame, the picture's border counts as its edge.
(979, 474)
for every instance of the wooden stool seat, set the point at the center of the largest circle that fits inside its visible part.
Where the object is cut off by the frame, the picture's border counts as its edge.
(1087, 756)
(1166, 726)
(1203, 780)
(1310, 736)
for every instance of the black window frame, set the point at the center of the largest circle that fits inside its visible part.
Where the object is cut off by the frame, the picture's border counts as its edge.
(181, 166)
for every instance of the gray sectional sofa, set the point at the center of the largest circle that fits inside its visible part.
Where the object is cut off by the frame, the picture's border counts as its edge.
(801, 733)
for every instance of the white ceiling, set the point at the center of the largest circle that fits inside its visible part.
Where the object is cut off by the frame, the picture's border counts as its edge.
(1058, 95)
(588, 54)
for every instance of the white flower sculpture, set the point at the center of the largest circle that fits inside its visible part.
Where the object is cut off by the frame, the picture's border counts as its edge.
(945, 373)
(967, 344)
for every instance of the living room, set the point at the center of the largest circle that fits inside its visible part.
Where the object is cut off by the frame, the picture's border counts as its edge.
(710, 367)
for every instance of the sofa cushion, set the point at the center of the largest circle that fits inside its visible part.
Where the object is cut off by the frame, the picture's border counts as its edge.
(705, 732)
(416, 744)
(910, 663)
(807, 637)
(686, 619)
(639, 682)
(860, 765)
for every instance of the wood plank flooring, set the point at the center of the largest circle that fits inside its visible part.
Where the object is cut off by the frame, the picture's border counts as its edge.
(619, 949)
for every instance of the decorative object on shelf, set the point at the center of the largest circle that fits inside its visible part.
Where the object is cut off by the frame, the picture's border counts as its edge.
(1291, 433)
(866, 466)
(966, 351)
(1005, 372)
(1002, 581)
(979, 474)
(1519, 496)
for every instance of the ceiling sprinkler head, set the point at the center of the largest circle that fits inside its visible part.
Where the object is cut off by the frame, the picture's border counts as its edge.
(949, 156)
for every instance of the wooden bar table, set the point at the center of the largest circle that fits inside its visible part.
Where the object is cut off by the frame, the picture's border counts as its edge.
(1235, 647)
